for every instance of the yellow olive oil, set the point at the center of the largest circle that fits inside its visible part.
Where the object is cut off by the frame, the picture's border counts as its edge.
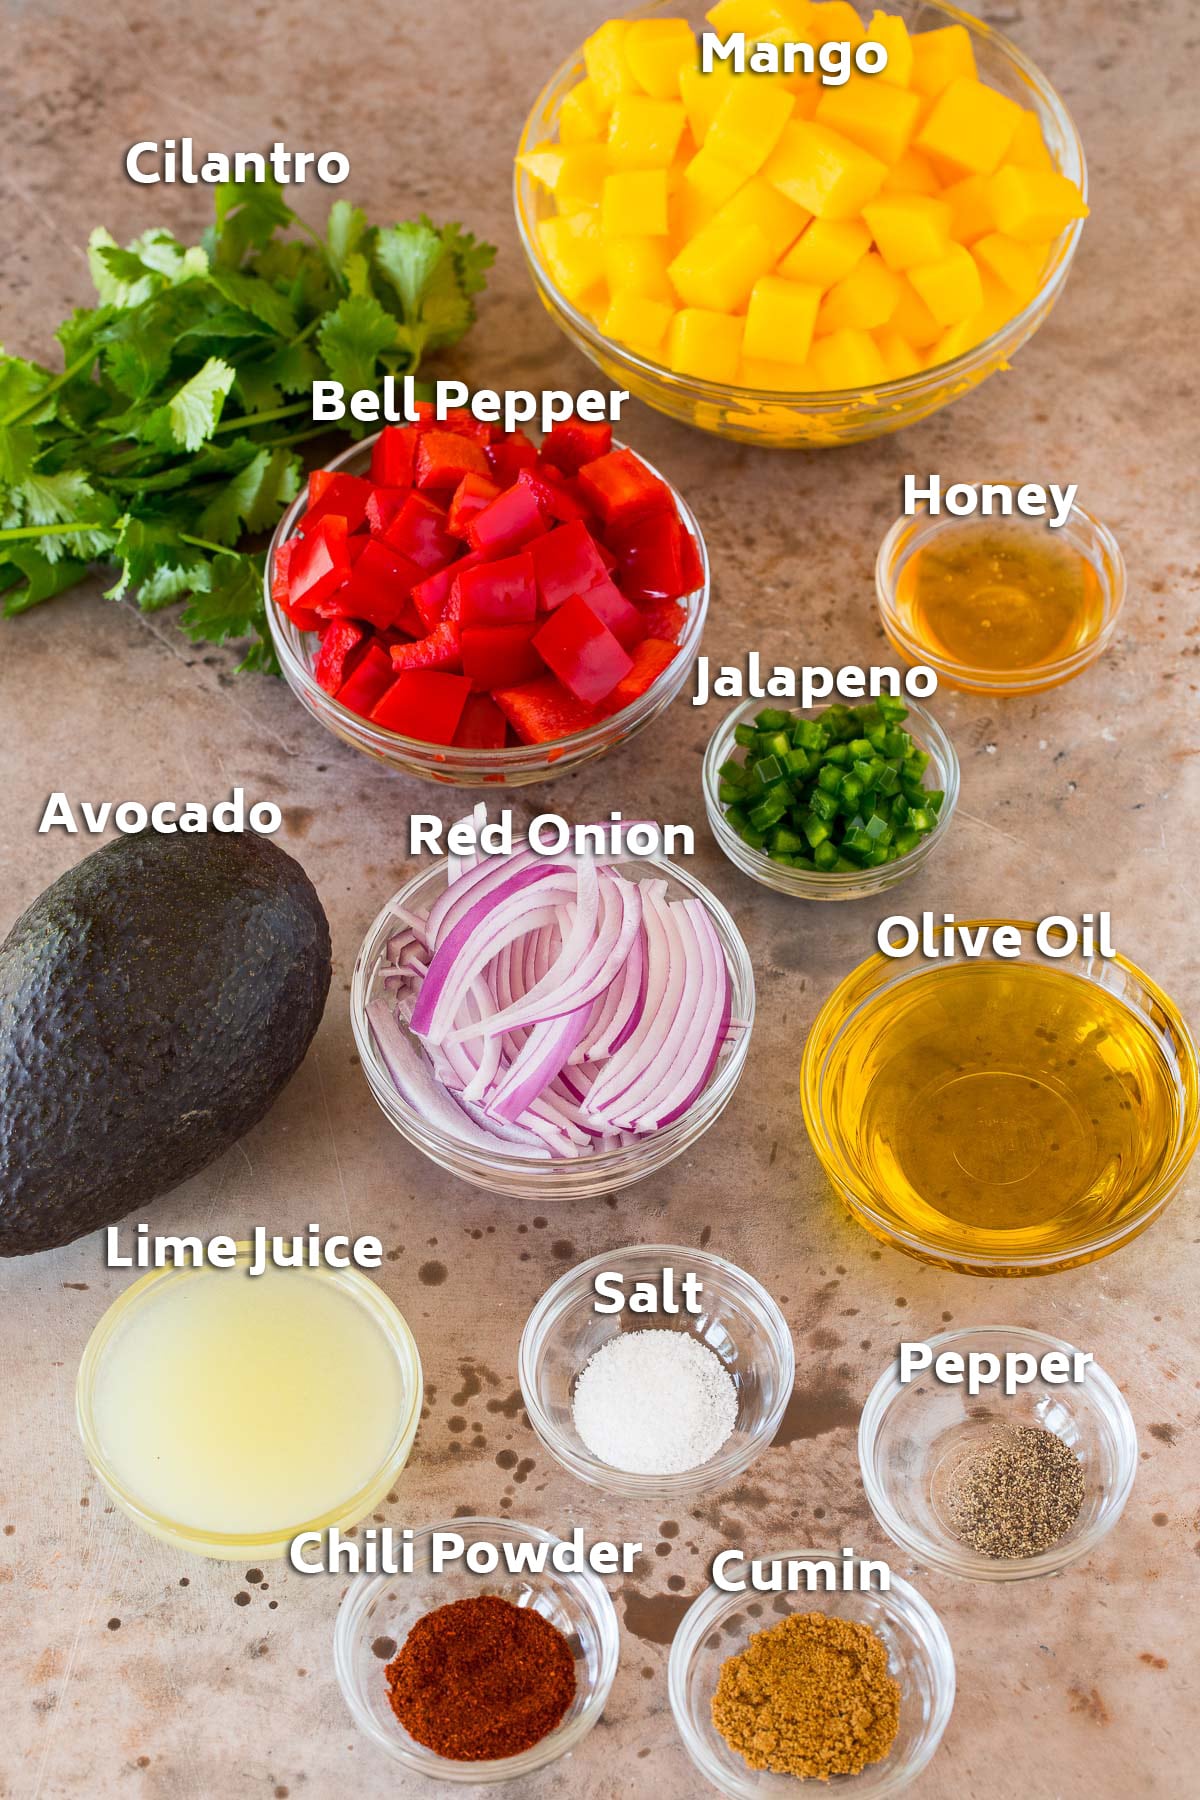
(1012, 598)
(1000, 1109)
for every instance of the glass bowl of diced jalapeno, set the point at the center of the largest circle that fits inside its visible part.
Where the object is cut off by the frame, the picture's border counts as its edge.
(833, 802)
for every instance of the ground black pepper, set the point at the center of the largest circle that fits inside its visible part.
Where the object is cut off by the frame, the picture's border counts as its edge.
(1016, 1491)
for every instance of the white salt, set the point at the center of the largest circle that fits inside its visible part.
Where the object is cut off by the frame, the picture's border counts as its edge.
(654, 1402)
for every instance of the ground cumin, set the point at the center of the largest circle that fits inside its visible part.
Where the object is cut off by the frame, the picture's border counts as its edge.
(810, 1696)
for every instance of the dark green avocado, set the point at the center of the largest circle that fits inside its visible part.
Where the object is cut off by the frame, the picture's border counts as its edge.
(153, 1003)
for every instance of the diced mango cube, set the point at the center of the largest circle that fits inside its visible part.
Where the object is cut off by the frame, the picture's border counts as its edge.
(997, 308)
(581, 177)
(574, 251)
(834, 22)
(644, 133)
(1028, 148)
(751, 16)
(971, 211)
(1034, 204)
(890, 30)
(912, 174)
(846, 359)
(704, 343)
(634, 203)
(793, 82)
(604, 60)
(717, 269)
(655, 51)
(702, 94)
(863, 299)
(638, 266)
(747, 124)
(908, 228)
(758, 203)
(581, 117)
(780, 319)
(762, 372)
(956, 340)
(950, 287)
(1018, 266)
(970, 127)
(871, 112)
(826, 251)
(638, 322)
(690, 212)
(543, 163)
(823, 171)
(940, 57)
(712, 176)
(913, 319)
(899, 357)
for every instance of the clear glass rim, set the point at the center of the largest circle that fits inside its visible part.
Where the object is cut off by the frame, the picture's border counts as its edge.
(835, 884)
(611, 1165)
(597, 1601)
(883, 394)
(951, 1558)
(452, 759)
(367, 1294)
(720, 1469)
(902, 1600)
(832, 1019)
(907, 535)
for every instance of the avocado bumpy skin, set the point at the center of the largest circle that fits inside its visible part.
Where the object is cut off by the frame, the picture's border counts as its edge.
(153, 1003)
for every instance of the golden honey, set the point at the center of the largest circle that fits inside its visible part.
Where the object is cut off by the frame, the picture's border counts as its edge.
(992, 599)
(998, 1115)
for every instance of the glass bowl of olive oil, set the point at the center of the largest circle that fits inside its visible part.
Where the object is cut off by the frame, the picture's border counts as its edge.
(1002, 1116)
(1000, 604)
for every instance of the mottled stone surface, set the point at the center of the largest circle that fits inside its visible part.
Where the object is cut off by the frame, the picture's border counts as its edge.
(129, 1669)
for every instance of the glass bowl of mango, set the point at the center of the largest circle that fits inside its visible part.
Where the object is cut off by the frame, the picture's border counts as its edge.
(839, 226)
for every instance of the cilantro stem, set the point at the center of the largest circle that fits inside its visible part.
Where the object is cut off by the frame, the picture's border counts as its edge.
(11, 533)
(207, 544)
(263, 418)
(51, 387)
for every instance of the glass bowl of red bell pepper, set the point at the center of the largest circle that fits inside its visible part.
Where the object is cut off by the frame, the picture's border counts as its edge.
(472, 608)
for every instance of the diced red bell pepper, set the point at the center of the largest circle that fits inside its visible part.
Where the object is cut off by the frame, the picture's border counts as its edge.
(482, 726)
(424, 704)
(566, 561)
(543, 709)
(410, 624)
(431, 596)
(439, 649)
(650, 658)
(512, 520)
(500, 656)
(382, 507)
(319, 564)
(582, 651)
(691, 563)
(620, 615)
(620, 487)
(573, 442)
(302, 617)
(393, 456)
(339, 640)
(368, 681)
(470, 496)
(498, 593)
(444, 457)
(461, 419)
(356, 543)
(509, 455)
(337, 493)
(379, 587)
(664, 619)
(419, 532)
(649, 555)
(551, 495)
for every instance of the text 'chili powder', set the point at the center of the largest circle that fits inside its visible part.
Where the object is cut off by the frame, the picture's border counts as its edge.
(481, 1678)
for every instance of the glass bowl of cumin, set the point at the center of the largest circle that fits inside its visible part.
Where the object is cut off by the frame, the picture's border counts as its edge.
(912, 1437)
(379, 1611)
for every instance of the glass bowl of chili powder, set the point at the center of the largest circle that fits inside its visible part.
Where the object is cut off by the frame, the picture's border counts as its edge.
(380, 1611)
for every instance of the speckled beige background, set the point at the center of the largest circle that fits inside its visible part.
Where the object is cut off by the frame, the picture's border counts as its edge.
(127, 1669)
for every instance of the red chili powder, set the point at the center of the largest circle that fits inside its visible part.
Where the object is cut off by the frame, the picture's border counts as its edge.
(481, 1678)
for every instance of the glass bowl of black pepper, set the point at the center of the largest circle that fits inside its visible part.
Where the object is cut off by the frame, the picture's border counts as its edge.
(995, 1486)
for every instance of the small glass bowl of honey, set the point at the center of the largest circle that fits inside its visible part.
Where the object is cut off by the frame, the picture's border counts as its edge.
(1000, 603)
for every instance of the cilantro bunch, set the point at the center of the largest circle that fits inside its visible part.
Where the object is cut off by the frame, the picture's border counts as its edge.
(171, 433)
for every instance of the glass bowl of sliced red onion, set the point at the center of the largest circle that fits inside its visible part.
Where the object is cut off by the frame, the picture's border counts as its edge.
(553, 1027)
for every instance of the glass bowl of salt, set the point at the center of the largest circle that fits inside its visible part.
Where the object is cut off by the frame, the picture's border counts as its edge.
(672, 1395)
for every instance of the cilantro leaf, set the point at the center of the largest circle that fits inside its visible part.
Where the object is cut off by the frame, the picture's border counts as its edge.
(257, 297)
(352, 337)
(248, 213)
(190, 416)
(347, 225)
(155, 562)
(408, 256)
(232, 607)
(254, 498)
(41, 578)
